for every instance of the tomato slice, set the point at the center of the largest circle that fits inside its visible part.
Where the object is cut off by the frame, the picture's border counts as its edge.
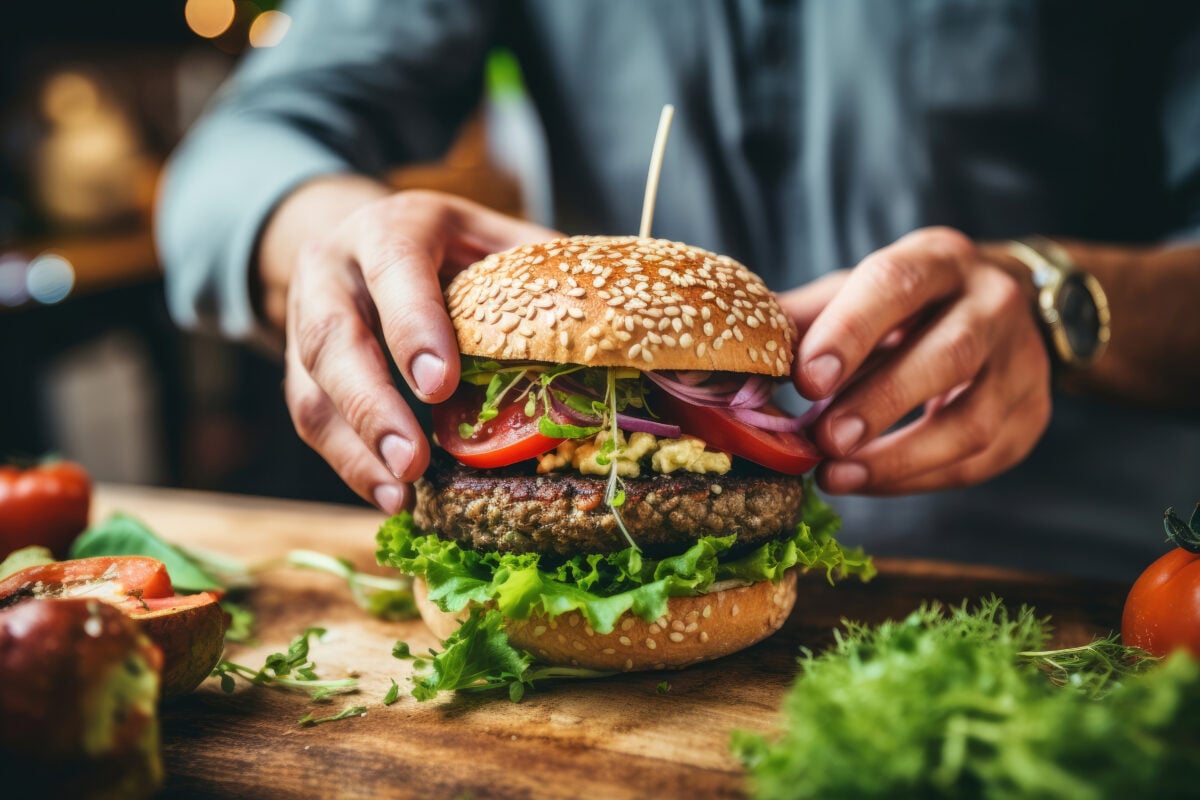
(112, 579)
(508, 438)
(789, 453)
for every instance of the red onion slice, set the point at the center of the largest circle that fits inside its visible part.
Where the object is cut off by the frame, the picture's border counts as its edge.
(639, 425)
(767, 422)
(812, 412)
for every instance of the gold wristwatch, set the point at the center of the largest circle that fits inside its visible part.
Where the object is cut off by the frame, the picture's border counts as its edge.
(1071, 305)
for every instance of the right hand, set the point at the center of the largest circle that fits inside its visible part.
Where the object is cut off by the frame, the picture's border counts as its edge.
(379, 274)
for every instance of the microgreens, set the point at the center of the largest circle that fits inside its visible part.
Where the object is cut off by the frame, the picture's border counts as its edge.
(290, 670)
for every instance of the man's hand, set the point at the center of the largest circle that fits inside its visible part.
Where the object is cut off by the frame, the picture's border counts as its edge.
(377, 275)
(930, 323)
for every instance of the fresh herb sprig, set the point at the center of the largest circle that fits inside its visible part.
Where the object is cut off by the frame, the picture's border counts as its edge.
(291, 670)
(309, 721)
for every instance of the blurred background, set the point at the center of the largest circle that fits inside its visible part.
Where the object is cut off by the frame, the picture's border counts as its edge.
(93, 97)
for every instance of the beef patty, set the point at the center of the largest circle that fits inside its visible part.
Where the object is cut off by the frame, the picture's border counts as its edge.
(514, 510)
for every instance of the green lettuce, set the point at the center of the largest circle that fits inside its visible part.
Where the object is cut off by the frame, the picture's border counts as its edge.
(602, 587)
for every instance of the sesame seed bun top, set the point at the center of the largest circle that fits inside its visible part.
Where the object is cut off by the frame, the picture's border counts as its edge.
(620, 301)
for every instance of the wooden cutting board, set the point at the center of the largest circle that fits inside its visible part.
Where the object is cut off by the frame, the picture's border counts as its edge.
(612, 738)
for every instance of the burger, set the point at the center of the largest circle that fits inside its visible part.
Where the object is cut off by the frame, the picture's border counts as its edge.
(613, 487)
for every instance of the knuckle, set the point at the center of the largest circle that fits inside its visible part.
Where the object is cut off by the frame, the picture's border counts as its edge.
(385, 255)
(359, 409)
(963, 352)
(314, 335)
(977, 431)
(854, 329)
(411, 323)
(949, 241)
(310, 414)
(891, 398)
(896, 277)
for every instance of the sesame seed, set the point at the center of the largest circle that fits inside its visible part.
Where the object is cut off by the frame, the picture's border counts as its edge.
(691, 627)
(561, 639)
(675, 636)
(703, 636)
(579, 645)
(654, 628)
(539, 630)
(625, 640)
(707, 612)
(677, 625)
(650, 643)
(628, 664)
(575, 313)
(627, 623)
(733, 612)
(608, 651)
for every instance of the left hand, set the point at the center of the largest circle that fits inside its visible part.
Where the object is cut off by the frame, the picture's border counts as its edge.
(930, 322)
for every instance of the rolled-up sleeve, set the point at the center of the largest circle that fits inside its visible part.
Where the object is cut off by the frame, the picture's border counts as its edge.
(355, 86)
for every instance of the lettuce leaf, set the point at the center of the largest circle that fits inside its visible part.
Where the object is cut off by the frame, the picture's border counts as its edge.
(602, 587)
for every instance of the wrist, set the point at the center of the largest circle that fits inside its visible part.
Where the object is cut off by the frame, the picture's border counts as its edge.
(1068, 303)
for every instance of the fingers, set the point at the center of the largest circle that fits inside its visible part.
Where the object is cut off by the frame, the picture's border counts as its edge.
(977, 431)
(403, 250)
(331, 345)
(803, 304)
(989, 454)
(320, 425)
(381, 271)
(948, 353)
(880, 294)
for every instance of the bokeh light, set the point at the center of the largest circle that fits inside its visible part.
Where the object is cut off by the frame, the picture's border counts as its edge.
(12, 280)
(50, 278)
(209, 18)
(269, 28)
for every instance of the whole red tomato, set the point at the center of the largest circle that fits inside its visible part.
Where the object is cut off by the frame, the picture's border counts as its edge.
(1162, 612)
(46, 505)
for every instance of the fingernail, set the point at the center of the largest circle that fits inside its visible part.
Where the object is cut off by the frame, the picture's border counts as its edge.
(388, 497)
(429, 372)
(823, 373)
(847, 432)
(845, 477)
(397, 453)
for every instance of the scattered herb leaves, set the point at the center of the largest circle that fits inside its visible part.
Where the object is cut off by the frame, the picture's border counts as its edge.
(309, 721)
(290, 670)
(479, 657)
(381, 597)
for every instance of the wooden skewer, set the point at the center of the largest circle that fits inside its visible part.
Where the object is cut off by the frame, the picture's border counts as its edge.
(656, 159)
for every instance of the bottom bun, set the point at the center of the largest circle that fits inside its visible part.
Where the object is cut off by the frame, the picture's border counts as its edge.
(694, 629)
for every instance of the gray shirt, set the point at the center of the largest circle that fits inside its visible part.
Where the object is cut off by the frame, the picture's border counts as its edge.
(807, 135)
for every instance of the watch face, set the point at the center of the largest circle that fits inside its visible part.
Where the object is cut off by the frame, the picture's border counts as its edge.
(1080, 317)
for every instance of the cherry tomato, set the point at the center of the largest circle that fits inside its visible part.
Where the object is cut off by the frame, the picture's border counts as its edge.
(508, 438)
(1162, 612)
(789, 453)
(45, 505)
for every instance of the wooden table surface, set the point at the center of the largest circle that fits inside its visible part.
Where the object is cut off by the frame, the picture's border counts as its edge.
(611, 738)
